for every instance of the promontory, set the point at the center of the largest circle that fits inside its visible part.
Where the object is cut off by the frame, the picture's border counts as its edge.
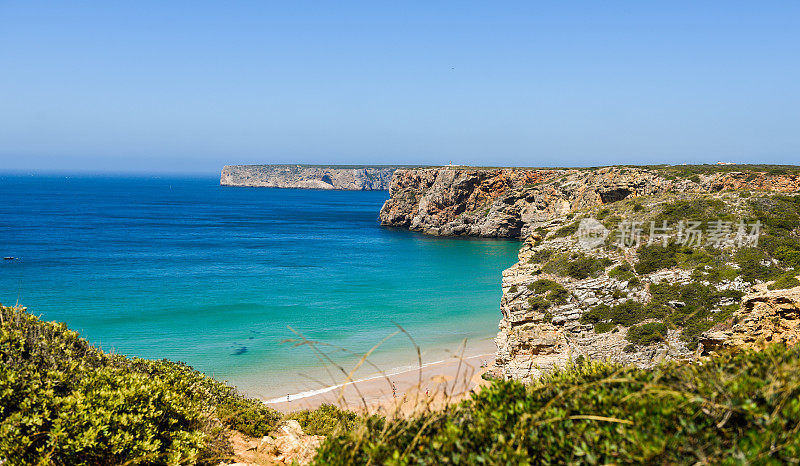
(343, 177)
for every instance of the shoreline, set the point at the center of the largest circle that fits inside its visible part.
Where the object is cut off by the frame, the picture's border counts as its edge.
(435, 380)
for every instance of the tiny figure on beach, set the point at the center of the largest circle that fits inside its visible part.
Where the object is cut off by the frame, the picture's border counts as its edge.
(287, 398)
(394, 391)
(427, 393)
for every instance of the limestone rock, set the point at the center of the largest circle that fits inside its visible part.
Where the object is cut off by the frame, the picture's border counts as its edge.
(366, 178)
(512, 202)
(765, 317)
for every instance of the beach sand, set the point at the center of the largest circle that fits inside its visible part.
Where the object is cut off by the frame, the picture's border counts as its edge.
(435, 384)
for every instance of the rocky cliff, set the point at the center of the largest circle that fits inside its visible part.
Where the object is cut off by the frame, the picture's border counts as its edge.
(657, 298)
(513, 202)
(631, 303)
(355, 178)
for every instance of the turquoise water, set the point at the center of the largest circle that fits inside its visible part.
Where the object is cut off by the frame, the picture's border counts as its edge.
(213, 276)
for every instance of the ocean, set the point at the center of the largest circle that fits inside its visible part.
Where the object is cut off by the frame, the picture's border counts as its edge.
(221, 277)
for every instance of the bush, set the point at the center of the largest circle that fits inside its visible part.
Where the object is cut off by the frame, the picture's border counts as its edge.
(576, 265)
(556, 293)
(542, 286)
(744, 406)
(625, 314)
(325, 420)
(655, 257)
(622, 272)
(540, 256)
(695, 317)
(604, 327)
(788, 280)
(566, 230)
(63, 401)
(752, 266)
(538, 304)
(647, 334)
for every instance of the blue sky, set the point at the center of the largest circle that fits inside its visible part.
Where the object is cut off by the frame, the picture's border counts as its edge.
(190, 86)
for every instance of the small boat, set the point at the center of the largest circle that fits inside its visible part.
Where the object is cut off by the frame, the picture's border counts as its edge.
(9, 258)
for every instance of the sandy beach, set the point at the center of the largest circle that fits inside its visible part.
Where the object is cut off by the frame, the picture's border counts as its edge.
(435, 383)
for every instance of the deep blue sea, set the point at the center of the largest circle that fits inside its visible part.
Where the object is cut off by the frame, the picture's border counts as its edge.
(214, 276)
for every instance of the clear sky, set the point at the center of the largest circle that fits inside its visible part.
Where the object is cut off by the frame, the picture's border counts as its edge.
(175, 86)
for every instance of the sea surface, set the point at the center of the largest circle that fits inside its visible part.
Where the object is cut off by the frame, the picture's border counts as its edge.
(217, 277)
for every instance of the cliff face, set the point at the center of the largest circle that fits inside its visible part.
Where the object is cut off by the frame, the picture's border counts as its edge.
(308, 177)
(647, 302)
(513, 202)
(562, 301)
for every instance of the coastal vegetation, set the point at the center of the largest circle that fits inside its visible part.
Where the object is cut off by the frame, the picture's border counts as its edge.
(742, 405)
(63, 401)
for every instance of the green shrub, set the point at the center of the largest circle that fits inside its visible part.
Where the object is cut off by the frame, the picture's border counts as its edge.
(325, 420)
(788, 280)
(538, 304)
(604, 327)
(655, 257)
(576, 265)
(742, 407)
(540, 256)
(622, 272)
(63, 401)
(647, 334)
(513, 289)
(625, 314)
(558, 296)
(566, 230)
(556, 293)
(752, 266)
(629, 348)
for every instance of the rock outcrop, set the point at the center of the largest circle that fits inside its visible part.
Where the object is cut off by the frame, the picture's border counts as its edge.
(363, 178)
(532, 340)
(511, 202)
(288, 444)
(765, 317)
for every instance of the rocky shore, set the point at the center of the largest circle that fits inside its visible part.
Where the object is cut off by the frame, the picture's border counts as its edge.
(344, 177)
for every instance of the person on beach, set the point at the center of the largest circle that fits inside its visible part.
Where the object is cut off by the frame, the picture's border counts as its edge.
(394, 391)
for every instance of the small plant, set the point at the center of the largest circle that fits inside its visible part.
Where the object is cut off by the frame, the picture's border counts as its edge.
(540, 256)
(566, 230)
(629, 348)
(787, 280)
(538, 304)
(604, 327)
(576, 265)
(556, 293)
(647, 334)
(325, 420)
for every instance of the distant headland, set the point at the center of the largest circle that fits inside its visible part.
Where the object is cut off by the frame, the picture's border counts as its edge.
(343, 177)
